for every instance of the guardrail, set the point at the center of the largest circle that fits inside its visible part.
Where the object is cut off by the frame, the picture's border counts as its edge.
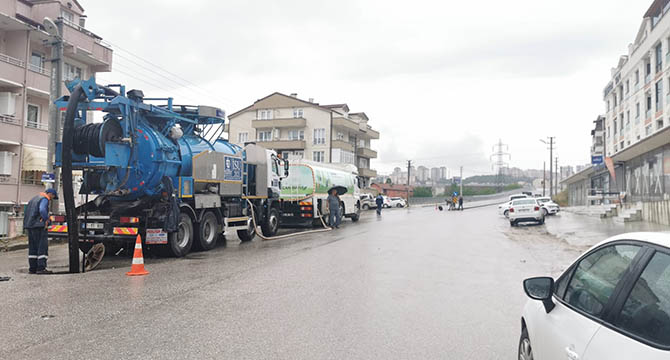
(39, 70)
(37, 125)
(9, 120)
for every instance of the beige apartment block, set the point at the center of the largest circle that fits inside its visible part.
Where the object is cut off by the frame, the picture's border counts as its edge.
(25, 75)
(300, 129)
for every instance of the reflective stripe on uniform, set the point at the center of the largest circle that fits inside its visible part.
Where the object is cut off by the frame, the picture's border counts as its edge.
(43, 257)
(32, 256)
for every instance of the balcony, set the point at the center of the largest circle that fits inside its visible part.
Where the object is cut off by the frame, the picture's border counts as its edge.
(11, 71)
(279, 123)
(86, 47)
(39, 82)
(283, 144)
(345, 123)
(367, 172)
(340, 144)
(367, 153)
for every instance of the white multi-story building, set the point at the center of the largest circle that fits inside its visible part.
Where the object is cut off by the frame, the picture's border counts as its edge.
(423, 174)
(297, 128)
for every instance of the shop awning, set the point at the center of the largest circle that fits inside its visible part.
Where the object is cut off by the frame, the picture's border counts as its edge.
(34, 158)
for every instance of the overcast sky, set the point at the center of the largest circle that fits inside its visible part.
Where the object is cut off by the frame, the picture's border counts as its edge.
(441, 80)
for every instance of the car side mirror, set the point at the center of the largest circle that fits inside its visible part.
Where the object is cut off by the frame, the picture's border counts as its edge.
(540, 288)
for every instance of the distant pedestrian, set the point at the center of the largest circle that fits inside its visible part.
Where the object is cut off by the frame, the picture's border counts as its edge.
(380, 203)
(334, 216)
(460, 202)
(36, 221)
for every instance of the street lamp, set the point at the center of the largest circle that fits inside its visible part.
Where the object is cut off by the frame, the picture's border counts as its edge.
(551, 174)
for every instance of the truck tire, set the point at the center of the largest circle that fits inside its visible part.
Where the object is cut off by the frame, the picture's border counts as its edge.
(247, 234)
(357, 215)
(271, 223)
(208, 232)
(181, 241)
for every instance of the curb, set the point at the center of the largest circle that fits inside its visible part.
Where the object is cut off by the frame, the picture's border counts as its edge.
(24, 245)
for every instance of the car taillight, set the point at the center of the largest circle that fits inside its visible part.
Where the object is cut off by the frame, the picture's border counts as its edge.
(58, 218)
(129, 220)
(511, 210)
(537, 208)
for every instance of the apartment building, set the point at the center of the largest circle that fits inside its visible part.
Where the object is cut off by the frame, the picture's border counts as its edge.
(423, 174)
(304, 129)
(25, 75)
(597, 139)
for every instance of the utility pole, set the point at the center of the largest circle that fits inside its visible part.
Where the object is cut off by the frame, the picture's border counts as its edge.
(409, 170)
(551, 167)
(557, 175)
(499, 154)
(55, 30)
(461, 189)
(544, 177)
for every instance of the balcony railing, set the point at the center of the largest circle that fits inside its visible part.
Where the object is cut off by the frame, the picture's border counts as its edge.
(11, 60)
(8, 180)
(9, 120)
(39, 70)
(37, 125)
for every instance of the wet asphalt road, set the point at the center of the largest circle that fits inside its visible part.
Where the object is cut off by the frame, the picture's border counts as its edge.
(415, 283)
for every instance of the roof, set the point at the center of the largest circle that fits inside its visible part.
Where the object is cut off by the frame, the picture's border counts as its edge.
(316, 105)
(338, 106)
(360, 114)
(582, 175)
(48, 1)
(652, 142)
(655, 8)
(657, 238)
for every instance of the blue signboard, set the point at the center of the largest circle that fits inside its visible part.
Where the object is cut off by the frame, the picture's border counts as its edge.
(48, 177)
(596, 159)
(232, 170)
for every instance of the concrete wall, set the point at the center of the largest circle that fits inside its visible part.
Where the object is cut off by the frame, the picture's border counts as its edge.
(657, 212)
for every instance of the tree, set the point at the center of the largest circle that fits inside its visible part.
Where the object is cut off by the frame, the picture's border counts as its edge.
(423, 192)
(389, 181)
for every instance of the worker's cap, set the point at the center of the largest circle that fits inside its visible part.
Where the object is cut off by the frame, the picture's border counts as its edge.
(52, 192)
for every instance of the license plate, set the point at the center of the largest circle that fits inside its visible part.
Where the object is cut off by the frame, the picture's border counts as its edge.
(287, 214)
(524, 210)
(156, 236)
(95, 226)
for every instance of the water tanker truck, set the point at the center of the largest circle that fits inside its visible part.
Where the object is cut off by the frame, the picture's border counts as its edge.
(159, 170)
(305, 190)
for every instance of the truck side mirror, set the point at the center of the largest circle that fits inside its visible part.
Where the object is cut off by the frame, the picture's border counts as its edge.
(286, 167)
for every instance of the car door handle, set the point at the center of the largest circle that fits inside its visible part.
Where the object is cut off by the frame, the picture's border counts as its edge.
(572, 355)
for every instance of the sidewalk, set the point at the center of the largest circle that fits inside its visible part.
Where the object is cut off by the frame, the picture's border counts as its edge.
(583, 230)
(21, 242)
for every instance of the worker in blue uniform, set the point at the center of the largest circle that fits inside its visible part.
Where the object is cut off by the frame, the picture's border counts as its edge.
(35, 222)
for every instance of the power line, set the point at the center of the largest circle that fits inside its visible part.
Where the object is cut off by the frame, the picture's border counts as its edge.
(166, 71)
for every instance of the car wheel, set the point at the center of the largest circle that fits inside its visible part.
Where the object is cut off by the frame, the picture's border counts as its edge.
(399, 206)
(525, 350)
(512, 223)
(366, 207)
(506, 213)
(544, 212)
(542, 221)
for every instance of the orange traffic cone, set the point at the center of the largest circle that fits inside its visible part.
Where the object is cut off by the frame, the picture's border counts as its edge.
(137, 268)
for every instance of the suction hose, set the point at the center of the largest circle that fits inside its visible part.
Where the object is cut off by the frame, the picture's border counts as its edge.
(253, 218)
(68, 191)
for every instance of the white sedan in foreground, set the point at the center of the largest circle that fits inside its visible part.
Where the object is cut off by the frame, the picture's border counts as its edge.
(524, 210)
(612, 303)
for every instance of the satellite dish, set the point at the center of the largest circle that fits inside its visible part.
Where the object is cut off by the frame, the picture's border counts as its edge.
(50, 27)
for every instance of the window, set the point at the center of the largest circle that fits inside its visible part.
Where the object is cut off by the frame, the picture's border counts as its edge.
(648, 68)
(608, 132)
(659, 95)
(646, 312)
(318, 156)
(621, 121)
(615, 99)
(242, 137)
(608, 105)
(648, 103)
(37, 62)
(319, 136)
(264, 136)
(33, 117)
(66, 15)
(659, 57)
(647, 130)
(297, 113)
(637, 112)
(615, 127)
(264, 115)
(622, 145)
(596, 277)
(637, 77)
(627, 117)
(72, 72)
(340, 136)
(296, 135)
(627, 86)
(31, 177)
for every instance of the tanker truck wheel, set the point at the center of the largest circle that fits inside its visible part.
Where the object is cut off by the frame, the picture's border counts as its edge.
(180, 242)
(248, 234)
(208, 232)
(271, 224)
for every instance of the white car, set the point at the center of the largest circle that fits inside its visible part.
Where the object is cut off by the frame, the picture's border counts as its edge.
(504, 207)
(548, 205)
(397, 202)
(524, 210)
(612, 303)
(387, 202)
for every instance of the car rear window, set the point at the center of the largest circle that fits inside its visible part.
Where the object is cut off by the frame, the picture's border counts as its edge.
(524, 202)
(646, 312)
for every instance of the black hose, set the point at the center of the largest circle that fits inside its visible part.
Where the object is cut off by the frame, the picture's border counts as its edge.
(68, 191)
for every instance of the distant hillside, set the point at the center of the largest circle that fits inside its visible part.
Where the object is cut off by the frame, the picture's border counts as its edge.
(493, 179)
